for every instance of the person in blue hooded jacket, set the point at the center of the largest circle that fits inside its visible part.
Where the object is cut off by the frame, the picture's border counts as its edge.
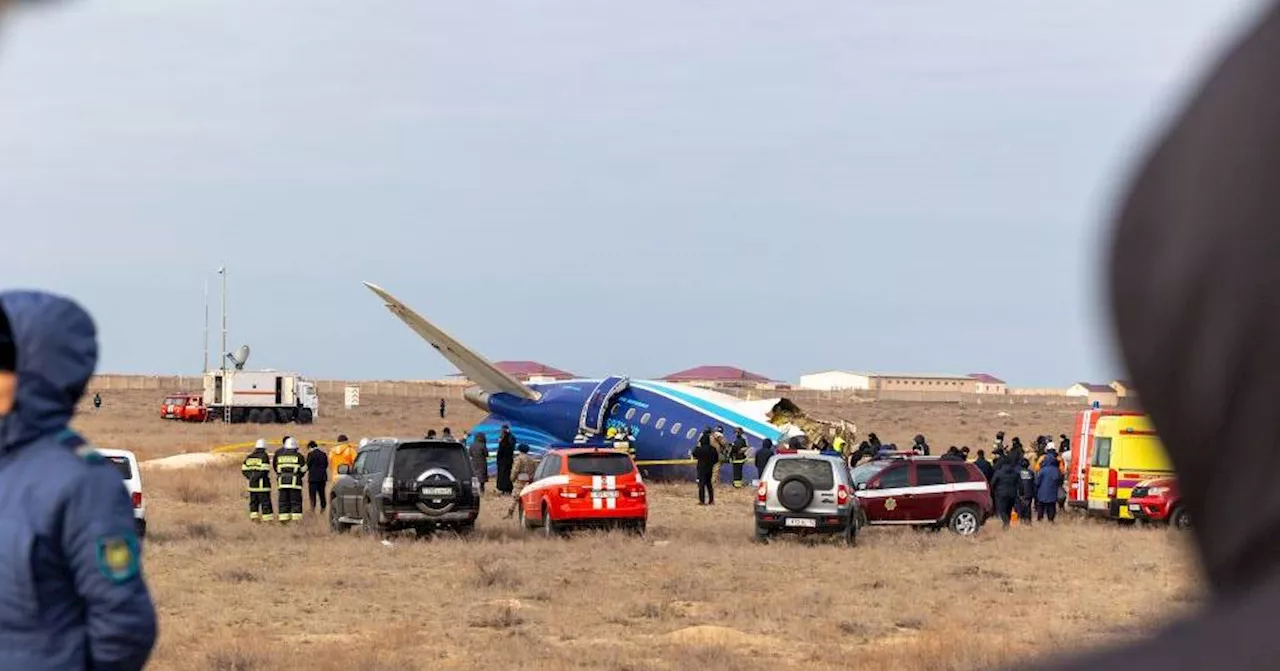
(72, 595)
(1048, 482)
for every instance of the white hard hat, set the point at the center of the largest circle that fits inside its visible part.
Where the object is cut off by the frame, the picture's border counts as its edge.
(290, 442)
(364, 441)
(261, 443)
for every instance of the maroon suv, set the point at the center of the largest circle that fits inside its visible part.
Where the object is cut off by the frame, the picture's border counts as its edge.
(923, 491)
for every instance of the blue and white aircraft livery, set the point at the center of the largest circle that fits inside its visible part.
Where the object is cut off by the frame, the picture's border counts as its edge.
(664, 419)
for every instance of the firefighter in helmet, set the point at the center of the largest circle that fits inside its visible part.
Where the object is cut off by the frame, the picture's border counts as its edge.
(289, 467)
(257, 470)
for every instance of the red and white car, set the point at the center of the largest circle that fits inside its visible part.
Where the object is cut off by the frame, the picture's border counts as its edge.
(923, 491)
(580, 487)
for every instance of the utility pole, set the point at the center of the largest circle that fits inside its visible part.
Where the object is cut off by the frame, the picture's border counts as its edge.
(206, 327)
(226, 405)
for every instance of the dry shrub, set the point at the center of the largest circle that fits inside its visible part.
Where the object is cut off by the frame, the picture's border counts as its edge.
(192, 486)
(501, 617)
(234, 659)
(495, 573)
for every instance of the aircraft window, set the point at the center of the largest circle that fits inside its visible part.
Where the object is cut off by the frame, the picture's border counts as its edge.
(644, 419)
(675, 429)
(631, 412)
(693, 433)
(662, 421)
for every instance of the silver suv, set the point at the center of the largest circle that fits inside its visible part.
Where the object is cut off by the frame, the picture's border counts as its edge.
(806, 492)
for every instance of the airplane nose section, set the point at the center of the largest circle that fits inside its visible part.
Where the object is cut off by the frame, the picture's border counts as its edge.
(477, 397)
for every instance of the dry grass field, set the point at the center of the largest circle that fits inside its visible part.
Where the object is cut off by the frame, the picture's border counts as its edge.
(695, 593)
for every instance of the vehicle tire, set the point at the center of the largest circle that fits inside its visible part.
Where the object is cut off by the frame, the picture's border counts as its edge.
(795, 493)
(370, 526)
(762, 534)
(140, 527)
(336, 525)
(305, 416)
(525, 523)
(850, 534)
(269, 416)
(548, 525)
(1180, 519)
(964, 521)
(639, 529)
(255, 417)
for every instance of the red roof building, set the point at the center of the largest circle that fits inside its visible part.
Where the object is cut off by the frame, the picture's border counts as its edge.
(986, 378)
(717, 376)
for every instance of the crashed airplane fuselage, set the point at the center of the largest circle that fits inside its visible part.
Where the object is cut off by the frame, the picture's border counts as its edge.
(664, 419)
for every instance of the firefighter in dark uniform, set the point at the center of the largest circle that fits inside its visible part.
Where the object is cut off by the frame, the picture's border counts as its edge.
(257, 470)
(738, 456)
(289, 467)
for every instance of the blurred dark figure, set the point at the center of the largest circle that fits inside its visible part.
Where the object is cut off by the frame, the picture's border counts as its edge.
(1048, 482)
(97, 401)
(985, 466)
(505, 459)
(763, 455)
(707, 457)
(442, 408)
(1004, 490)
(431, 434)
(920, 445)
(1199, 332)
(1026, 490)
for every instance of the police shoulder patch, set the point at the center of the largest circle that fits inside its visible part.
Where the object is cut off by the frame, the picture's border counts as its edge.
(118, 557)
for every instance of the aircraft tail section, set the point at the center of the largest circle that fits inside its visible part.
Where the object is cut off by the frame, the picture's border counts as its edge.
(477, 368)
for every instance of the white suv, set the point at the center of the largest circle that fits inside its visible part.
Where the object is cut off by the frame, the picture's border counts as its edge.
(806, 492)
(127, 463)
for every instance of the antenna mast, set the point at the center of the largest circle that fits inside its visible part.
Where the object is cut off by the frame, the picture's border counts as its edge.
(206, 327)
(226, 404)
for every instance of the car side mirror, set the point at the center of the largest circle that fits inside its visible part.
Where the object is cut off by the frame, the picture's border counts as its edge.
(862, 485)
(344, 469)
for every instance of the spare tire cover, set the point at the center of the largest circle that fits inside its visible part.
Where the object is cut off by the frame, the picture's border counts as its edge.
(795, 493)
(437, 477)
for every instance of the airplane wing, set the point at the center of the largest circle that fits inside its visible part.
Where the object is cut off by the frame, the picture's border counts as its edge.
(477, 368)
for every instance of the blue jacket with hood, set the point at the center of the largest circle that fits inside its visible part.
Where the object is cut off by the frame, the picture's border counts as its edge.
(71, 590)
(1049, 479)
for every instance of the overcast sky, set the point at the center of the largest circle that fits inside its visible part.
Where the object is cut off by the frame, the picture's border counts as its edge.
(630, 187)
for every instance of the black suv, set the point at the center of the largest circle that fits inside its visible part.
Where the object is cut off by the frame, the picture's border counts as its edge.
(406, 484)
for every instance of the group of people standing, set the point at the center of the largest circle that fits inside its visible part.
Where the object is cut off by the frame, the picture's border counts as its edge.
(1020, 478)
(505, 459)
(714, 449)
(289, 466)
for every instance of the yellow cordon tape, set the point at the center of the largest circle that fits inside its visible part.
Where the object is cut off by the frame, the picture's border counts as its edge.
(248, 446)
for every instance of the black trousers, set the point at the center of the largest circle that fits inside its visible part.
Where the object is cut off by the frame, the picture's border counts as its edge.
(290, 502)
(1004, 508)
(1024, 511)
(737, 473)
(706, 493)
(1049, 509)
(260, 504)
(315, 490)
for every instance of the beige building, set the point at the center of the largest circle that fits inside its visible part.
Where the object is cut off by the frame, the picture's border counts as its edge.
(989, 384)
(1123, 389)
(842, 380)
(1103, 394)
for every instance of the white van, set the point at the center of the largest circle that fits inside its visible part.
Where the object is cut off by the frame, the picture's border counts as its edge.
(127, 463)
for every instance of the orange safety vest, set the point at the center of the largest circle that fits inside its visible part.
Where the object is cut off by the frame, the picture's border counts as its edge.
(342, 453)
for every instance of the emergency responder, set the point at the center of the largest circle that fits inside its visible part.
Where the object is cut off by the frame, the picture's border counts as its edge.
(623, 441)
(985, 466)
(1026, 491)
(707, 457)
(97, 400)
(998, 445)
(442, 408)
(763, 455)
(522, 470)
(738, 456)
(505, 458)
(479, 453)
(1004, 490)
(289, 467)
(920, 445)
(317, 475)
(343, 453)
(840, 445)
(73, 596)
(256, 468)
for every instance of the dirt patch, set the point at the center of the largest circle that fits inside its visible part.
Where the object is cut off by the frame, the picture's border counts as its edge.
(707, 634)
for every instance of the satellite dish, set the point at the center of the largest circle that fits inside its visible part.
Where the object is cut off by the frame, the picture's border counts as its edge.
(239, 357)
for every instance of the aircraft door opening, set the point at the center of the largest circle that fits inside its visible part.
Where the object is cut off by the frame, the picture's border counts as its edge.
(597, 406)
